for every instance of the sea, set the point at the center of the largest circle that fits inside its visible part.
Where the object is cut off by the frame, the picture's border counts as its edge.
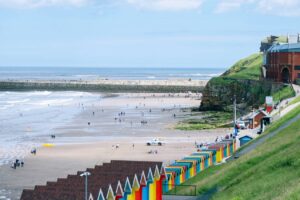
(28, 118)
(87, 73)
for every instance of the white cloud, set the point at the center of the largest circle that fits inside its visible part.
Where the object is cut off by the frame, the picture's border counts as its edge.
(275, 7)
(228, 5)
(280, 7)
(173, 5)
(40, 3)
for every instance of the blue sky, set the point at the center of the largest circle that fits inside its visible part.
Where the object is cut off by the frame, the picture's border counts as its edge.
(139, 33)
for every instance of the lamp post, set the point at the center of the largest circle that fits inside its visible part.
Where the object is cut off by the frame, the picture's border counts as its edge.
(86, 174)
(234, 112)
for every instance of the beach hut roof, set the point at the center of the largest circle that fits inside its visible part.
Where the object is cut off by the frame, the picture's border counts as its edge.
(135, 184)
(110, 194)
(119, 190)
(102, 176)
(143, 181)
(100, 195)
(127, 187)
(150, 176)
(246, 136)
(163, 171)
(91, 197)
(156, 173)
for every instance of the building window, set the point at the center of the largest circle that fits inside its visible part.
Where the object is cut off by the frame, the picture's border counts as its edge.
(298, 75)
(297, 67)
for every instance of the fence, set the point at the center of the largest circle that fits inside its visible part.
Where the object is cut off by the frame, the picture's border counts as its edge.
(182, 190)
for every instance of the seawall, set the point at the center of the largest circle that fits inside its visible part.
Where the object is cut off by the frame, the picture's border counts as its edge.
(170, 86)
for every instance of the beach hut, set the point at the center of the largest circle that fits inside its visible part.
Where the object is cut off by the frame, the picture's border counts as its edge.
(158, 179)
(219, 152)
(179, 173)
(185, 174)
(127, 190)
(151, 185)
(101, 195)
(91, 197)
(213, 154)
(202, 163)
(144, 185)
(192, 166)
(169, 181)
(119, 191)
(209, 156)
(197, 160)
(231, 145)
(206, 158)
(226, 148)
(110, 194)
(245, 139)
(136, 192)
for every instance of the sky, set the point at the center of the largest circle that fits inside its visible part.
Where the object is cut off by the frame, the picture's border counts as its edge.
(139, 33)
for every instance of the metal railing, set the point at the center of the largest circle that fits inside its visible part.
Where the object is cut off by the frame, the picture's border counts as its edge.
(181, 190)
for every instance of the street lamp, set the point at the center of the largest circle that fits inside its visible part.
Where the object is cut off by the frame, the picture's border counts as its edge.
(234, 113)
(86, 174)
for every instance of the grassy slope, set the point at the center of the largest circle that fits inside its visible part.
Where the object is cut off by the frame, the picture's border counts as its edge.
(247, 68)
(271, 171)
(286, 92)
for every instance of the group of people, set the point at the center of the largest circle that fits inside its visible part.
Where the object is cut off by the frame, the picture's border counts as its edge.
(153, 152)
(17, 163)
(219, 139)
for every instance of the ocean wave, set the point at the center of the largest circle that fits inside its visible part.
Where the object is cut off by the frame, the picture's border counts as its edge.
(13, 102)
(39, 93)
(54, 102)
(196, 75)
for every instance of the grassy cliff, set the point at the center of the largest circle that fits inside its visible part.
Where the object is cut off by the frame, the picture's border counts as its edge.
(271, 171)
(243, 80)
(247, 68)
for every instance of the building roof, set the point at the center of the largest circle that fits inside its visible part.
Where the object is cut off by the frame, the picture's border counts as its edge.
(252, 115)
(109, 175)
(246, 136)
(285, 48)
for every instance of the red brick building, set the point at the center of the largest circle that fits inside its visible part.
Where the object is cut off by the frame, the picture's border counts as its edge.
(256, 118)
(282, 63)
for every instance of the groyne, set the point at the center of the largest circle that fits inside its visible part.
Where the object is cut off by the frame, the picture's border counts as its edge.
(159, 86)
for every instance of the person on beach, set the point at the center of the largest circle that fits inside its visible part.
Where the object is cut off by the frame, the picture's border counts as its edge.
(22, 164)
(14, 166)
(33, 151)
(216, 140)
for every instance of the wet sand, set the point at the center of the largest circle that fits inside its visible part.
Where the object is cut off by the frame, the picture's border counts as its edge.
(79, 145)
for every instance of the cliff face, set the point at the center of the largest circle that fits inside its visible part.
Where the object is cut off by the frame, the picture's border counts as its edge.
(242, 80)
(219, 93)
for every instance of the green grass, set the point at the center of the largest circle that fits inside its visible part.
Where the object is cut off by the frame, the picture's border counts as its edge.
(286, 92)
(271, 171)
(247, 68)
(208, 120)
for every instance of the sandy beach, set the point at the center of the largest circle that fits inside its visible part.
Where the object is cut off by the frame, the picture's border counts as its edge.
(90, 138)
